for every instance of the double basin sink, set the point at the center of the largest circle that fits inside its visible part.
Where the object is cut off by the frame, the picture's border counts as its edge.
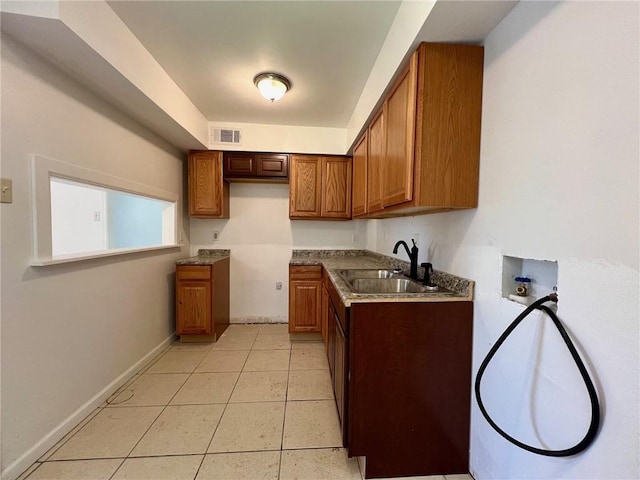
(386, 282)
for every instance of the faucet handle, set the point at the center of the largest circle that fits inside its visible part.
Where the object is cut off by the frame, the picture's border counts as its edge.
(414, 242)
(428, 270)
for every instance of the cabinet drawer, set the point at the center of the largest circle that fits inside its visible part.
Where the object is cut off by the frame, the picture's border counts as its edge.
(305, 272)
(193, 272)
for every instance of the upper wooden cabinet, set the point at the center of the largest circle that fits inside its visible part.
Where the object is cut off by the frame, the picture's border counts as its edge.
(359, 202)
(320, 187)
(397, 178)
(424, 143)
(305, 195)
(375, 162)
(208, 191)
(336, 187)
(256, 167)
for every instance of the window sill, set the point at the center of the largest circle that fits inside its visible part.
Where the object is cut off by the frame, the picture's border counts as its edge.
(44, 262)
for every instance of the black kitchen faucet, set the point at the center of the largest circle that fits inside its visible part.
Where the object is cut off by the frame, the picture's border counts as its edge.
(413, 256)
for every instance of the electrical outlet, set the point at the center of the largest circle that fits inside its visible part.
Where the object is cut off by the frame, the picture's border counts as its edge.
(6, 191)
(216, 236)
(355, 238)
(278, 285)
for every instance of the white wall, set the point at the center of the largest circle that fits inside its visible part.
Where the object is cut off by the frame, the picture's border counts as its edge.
(258, 137)
(399, 45)
(261, 238)
(559, 180)
(71, 333)
(259, 232)
(91, 41)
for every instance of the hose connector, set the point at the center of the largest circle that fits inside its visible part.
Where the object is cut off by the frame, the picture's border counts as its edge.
(553, 297)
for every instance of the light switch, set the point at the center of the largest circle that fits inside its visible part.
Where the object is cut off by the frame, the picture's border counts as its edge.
(6, 191)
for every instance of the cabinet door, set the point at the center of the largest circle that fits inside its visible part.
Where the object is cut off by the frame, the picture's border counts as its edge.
(360, 177)
(305, 305)
(193, 307)
(208, 192)
(272, 165)
(336, 187)
(331, 339)
(340, 373)
(239, 164)
(324, 314)
(220, 295)
(400, 127)
(305, 183)
(375, 161)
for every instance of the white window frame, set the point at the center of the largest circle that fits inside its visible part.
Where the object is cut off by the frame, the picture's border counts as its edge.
(43, 168)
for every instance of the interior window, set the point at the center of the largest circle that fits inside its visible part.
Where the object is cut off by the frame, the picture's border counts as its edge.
(87, 218)
(81, 214)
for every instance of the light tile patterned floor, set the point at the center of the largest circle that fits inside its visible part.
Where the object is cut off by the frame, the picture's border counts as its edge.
(255, 405)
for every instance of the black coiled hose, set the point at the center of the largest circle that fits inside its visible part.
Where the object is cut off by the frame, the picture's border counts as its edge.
(595, 404)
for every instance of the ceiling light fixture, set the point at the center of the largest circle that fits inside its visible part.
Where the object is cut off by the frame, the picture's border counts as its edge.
(271, 85)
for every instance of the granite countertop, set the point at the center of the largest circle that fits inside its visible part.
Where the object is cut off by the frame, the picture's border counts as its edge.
(335, 260)
(206, 257)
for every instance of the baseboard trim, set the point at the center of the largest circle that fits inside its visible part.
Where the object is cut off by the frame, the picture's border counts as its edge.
(255, 319)
(22, 463)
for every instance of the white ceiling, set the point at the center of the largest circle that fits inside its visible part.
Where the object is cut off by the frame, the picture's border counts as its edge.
(213, 50)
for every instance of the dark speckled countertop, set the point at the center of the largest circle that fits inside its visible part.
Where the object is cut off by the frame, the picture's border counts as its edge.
(335, 260)
(206, 257)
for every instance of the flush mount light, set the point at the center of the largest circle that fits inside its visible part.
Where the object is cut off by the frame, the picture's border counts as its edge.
(271, 85)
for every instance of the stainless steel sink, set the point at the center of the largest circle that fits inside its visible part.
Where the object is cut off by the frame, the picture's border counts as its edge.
(384, 282)
(387, 285)
(368, 273)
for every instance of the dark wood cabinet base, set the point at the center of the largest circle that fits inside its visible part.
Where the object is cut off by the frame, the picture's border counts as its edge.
(410, 387)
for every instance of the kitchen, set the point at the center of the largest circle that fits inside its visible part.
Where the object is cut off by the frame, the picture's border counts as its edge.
(558, 181)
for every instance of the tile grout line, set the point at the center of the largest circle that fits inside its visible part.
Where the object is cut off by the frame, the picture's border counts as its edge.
(119, 467)
(284, 417)
(76, 429)
(174, 396)
(62, 442)
(222, 414)
(190, 374)
(225, 409)
(163, 407)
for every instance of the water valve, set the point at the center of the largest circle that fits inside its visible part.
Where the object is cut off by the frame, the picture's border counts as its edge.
(522, 290)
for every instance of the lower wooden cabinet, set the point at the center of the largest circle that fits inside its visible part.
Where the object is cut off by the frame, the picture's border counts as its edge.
(401, 375)
(193, 303)
(409, 387)
(324, 310)
(340, 373)
(202, 301)
(305, 298)
(337, 346)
